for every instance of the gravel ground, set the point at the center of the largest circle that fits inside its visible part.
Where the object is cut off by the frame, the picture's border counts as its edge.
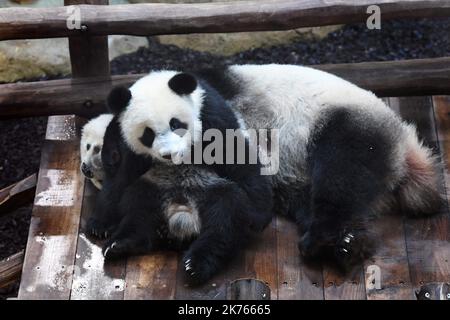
(21, 140)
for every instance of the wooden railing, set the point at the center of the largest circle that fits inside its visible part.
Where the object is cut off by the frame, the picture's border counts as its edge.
(156, 19)
(86, 92)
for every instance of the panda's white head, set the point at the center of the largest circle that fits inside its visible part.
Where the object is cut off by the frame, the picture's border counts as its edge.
(160, 114)
(91, 146)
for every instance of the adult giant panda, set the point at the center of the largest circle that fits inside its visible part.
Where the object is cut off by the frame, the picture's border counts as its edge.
(344, 156)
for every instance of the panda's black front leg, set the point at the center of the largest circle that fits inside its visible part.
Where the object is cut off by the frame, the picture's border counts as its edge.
(225, 230)
(137, 232)
(105, 217)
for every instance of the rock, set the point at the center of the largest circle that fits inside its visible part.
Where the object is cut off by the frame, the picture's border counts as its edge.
(119, 45)
(30, 59)
(21, 59)
(230, 43)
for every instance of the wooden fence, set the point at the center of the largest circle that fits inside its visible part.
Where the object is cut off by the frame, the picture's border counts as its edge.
(85, 93)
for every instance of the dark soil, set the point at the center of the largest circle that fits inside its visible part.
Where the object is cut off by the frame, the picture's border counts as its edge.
(21, 140)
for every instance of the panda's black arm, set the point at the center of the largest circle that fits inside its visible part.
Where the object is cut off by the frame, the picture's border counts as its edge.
(141, 220)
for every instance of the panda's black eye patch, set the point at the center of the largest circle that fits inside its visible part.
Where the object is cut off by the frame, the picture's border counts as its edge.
(147, 137)
(176, 124)
(88, 146)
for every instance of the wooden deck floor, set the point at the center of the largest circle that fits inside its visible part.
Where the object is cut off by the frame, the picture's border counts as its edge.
(61, 263)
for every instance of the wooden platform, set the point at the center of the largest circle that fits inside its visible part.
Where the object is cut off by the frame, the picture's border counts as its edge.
(62, 263)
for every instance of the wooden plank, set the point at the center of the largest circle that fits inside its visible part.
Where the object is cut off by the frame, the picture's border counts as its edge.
(258, 261)
(249, 289)
(88, 54)
(428, 239)
(50, 252)
(95, 279)
(86, 97)
(442, 114)
(296, 281)
(18, 194)
(154, 19)
(390, 259)
(344, 287)
(152, 277)
(10, 269)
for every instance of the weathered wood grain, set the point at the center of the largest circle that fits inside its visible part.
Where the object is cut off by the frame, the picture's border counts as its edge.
(86, 97)
(154, 19)
(95, 279)
(344, 287)
(152, 277)
(50, 253)
(249, 289)
(18, 194)
(427, 239)
(296, 281)
(10, 269)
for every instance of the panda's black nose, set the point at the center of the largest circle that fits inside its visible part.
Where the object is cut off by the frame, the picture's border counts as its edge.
(86, 171)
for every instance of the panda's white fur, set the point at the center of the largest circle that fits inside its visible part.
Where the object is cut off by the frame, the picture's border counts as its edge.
(152, 105)
(91, 144)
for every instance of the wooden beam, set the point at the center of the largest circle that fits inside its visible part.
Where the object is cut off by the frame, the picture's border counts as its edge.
(155, 19)
(86, 97)
(18, 194)
(10, 269)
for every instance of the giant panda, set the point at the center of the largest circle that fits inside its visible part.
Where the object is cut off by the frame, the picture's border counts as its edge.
(344, 156)
(147, 203)
(91, 145)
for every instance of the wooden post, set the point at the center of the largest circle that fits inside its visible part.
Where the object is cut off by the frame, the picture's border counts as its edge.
(88, 54)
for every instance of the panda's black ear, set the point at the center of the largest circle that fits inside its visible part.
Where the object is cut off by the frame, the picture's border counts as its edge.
(183, 83)
(118, 99)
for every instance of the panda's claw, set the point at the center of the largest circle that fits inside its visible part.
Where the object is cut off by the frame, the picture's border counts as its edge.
(106, 252)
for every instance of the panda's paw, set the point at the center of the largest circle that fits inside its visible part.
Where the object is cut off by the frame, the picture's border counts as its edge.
(352, 248)
(118, 247)
(197, 269)
(99, 229)
(313, 246)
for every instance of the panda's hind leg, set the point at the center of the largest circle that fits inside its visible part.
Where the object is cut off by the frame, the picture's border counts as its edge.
(226, 228)
(348, 167)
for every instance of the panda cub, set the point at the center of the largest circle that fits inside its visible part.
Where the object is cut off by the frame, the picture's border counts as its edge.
(344, 156)
(91, 146)
(147, 203)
